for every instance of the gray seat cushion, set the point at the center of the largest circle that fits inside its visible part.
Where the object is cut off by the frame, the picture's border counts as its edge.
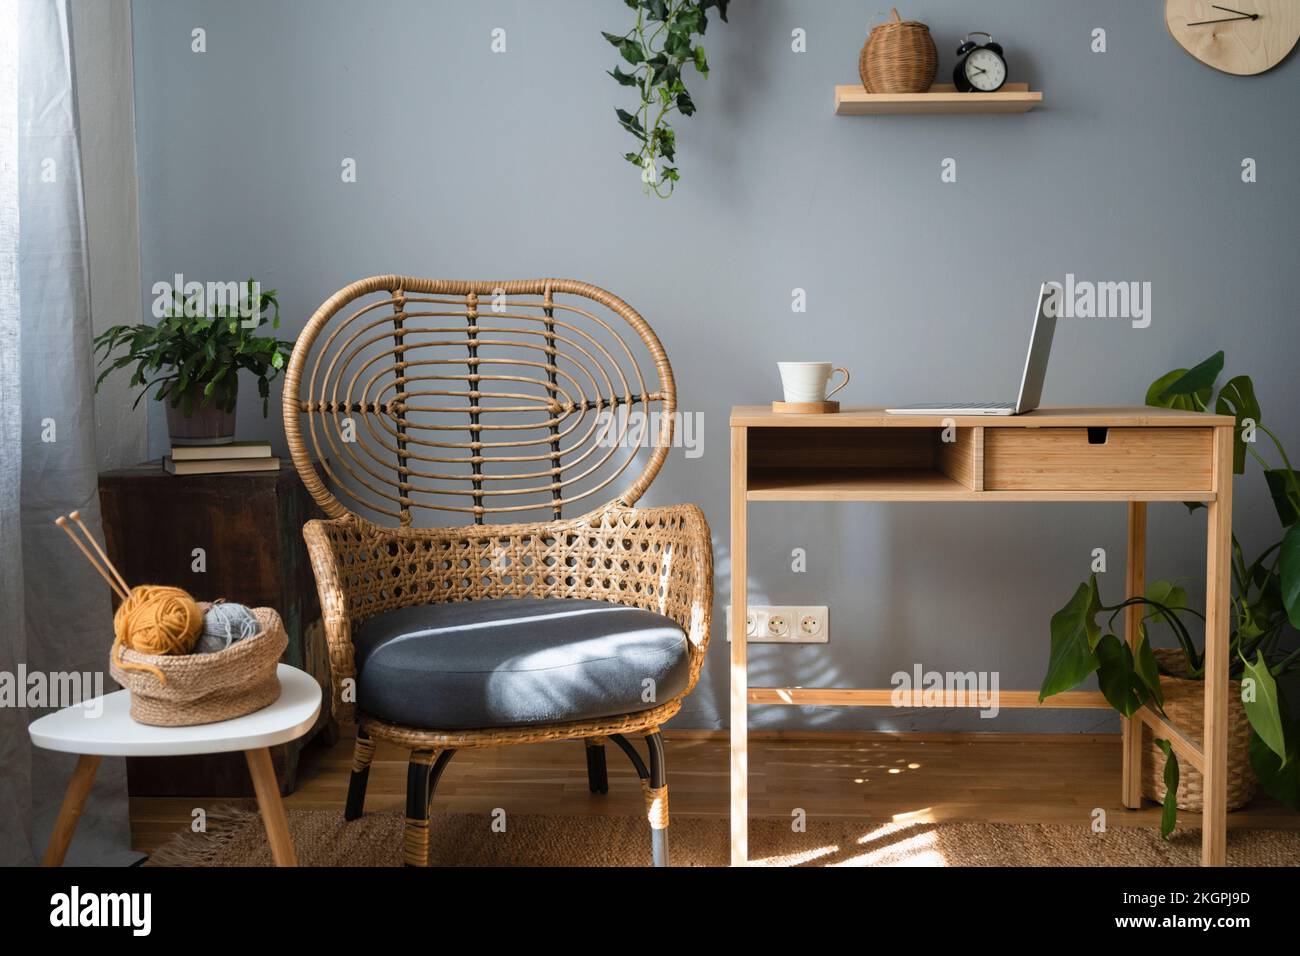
(515, 661)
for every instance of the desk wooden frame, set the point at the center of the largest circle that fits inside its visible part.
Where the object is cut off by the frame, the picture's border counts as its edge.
(1129, 454)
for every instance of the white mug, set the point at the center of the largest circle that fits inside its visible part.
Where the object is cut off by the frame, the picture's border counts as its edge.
(805, 382)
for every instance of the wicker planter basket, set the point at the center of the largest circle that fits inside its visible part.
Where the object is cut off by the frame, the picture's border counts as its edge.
(1185, 705)
(898, 57)
(205, 688)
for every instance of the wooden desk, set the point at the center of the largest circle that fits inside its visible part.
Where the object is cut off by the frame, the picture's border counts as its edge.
(1129, 454)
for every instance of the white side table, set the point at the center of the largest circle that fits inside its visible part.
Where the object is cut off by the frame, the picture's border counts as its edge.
(112, 733)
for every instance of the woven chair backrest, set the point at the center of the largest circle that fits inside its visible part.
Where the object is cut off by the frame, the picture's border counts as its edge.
(406, 398)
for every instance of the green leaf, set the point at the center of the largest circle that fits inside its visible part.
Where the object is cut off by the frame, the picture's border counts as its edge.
(1158, 394)
(1288, 568)
(614, 40)
(1147, 670)
(701, 63)
(1197, 380)
(690, 19)
(667, 143)
(1264, 710)
(685, 103)
(624, 79)
(677, 43)
(632, 51)
(1279, 778)
(1279, 487)
(1074, 635)
(1169, 814)
(630, 122)
(1116, 677)
(1264, 612)
(1237, 398)
(1171, 595)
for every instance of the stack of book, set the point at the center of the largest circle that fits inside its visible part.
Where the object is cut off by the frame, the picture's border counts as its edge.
(240, 456)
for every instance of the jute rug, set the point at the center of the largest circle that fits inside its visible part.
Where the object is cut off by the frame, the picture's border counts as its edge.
(236, 838)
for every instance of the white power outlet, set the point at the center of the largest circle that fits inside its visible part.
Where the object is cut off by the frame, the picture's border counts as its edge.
(785, 624)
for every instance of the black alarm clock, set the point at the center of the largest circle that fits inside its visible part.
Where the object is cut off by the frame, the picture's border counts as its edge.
(980, 67)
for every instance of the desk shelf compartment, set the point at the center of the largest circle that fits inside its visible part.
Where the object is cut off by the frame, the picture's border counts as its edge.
(837, 463)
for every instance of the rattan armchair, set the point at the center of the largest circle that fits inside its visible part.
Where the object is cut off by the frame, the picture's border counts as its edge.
(408, 398)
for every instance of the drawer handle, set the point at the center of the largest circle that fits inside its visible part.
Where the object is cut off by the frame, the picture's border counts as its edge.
(1097, 435)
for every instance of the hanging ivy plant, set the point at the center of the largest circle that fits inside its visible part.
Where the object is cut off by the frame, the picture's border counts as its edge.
(661, 44)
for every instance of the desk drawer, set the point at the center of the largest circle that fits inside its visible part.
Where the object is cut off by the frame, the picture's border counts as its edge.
(1098, 459)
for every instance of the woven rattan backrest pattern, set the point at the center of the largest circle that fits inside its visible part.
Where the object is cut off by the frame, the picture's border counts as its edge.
(476, 398)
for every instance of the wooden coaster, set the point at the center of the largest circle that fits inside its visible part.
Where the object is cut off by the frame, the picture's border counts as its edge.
(806, 408)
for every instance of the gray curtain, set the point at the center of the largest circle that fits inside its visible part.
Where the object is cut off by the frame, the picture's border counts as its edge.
(54, 610)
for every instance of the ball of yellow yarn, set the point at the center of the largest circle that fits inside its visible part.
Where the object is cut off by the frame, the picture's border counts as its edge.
(157, 620)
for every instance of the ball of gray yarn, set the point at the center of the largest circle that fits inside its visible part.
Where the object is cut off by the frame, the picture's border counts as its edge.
(223, 625)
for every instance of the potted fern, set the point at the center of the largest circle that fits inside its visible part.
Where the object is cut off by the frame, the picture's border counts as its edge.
(1263, 615)
(194, 355)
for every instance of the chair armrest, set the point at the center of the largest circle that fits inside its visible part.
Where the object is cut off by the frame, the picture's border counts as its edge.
(328, 545)
(662, 561)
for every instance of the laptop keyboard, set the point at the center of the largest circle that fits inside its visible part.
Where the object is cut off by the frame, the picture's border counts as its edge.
(961, 405)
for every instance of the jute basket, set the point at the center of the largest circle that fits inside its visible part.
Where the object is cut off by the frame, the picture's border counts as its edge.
(1185, 705)
(205, 688)
(898, 57)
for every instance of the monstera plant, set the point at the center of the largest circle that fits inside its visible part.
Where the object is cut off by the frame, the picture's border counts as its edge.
(1263, 615)
(657, 50)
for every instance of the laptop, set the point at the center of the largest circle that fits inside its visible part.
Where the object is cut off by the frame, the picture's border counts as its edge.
(1031, 382)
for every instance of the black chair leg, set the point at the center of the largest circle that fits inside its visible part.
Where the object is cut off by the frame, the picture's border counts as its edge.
(657, 800)
(422, 776)
(654, 783)
(362, 754)
(597, 775)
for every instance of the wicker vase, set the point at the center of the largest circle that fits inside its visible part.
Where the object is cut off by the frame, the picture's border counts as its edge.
(898, 57)
(1185, 705)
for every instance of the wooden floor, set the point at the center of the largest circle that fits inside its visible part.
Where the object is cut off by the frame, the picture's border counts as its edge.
(1009, 778)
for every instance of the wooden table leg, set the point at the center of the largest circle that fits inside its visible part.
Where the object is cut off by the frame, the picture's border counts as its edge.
(1135, 573)
(739, 660)
(1214, 815)
(268, 801)
(74, 801)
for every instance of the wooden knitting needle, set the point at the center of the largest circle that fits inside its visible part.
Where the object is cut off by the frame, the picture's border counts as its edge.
(76, 516)
(62, 522)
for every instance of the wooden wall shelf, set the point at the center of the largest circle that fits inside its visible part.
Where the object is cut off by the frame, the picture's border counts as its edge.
(852, 100)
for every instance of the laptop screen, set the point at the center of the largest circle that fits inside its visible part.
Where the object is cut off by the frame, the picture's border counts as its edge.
(1040, 347)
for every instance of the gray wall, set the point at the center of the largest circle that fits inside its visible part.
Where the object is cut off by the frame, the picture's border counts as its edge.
(480, 165)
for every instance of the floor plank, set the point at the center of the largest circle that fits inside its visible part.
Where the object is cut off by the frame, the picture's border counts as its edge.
(1005, 778)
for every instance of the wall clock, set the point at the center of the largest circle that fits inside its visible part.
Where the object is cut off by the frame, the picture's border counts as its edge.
(1242, 37)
